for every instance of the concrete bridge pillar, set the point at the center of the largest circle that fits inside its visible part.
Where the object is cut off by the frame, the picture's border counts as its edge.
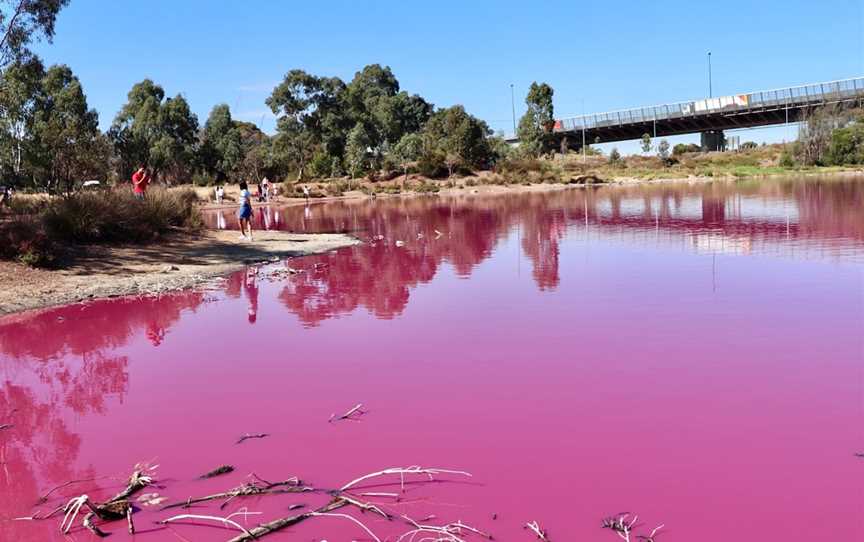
(713, 140)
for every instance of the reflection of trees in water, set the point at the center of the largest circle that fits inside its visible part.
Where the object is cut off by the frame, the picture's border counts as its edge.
(53, 364)
(379, 275)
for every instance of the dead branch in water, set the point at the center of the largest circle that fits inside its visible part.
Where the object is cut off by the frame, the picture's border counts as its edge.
(356, 409)
(247, 436)
(623, 527)
(860, 454)
(291, 485)
(452, 532)
(223, 469)
(38, 515)
(346, 516)
(115, 508)
(402, 472)
(6, 426)
(282, 523)
(534, 527)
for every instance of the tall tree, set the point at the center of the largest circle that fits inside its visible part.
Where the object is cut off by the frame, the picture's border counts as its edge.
(155, 131)
(23, 22)
(535, 126)
(460, 138)
(221, 149)
(357, 149)
(21, 83)
(67, 142)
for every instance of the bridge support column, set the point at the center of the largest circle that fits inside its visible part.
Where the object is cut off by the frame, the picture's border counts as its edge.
(713, 140)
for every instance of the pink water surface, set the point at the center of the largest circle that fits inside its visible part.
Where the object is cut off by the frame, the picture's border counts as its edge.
(692, 354)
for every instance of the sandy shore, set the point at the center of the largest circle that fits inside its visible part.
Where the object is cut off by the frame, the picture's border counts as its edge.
(180, 262)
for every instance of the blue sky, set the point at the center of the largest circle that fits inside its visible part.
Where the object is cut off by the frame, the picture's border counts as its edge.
(607, 55)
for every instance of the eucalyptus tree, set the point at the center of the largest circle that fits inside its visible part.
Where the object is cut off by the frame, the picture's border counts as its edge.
(458, 137)
(23, 22)
(535, 126)
(67, 144)
(156, 131)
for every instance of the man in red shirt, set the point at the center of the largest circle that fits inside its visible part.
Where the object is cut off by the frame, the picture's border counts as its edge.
(140, 180)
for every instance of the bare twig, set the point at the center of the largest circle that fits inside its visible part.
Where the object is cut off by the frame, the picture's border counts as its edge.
(356, 409)
(651, 537)
(44, 498)
(38, 515)
(6, 426)
(534, 527)
(452, 532)
(248, 436)
(223, 469)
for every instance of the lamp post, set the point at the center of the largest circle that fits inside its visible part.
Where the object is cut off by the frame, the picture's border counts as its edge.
(513, 107)
(710, 89)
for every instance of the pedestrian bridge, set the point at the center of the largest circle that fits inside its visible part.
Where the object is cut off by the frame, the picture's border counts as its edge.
(762, 108)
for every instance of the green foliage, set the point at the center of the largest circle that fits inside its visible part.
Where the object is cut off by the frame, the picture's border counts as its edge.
(459, 139)
(535, 126)
(748, 146)
(615, 156)
(684, 148)
(646, 143)
(847, 145)
(357, 150)
(23, 22)
(67, 145)
(159, 132)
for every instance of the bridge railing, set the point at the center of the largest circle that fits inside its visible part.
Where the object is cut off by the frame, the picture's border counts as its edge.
(780, 98)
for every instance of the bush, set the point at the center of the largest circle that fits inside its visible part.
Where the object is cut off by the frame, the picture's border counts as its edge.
(432, 165)
(117, 216)
(748, 146)
(847, 145)
(24, 238)
(614, 157)
(684, 148)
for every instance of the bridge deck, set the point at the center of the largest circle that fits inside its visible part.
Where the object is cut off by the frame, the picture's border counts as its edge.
(761, 108)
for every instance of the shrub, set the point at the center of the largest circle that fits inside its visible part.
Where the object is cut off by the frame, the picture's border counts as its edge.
(117, 216)
(847, 145)
(614, 157)
(684, 148)
(24, 238)
(432, 165)
(748, 146)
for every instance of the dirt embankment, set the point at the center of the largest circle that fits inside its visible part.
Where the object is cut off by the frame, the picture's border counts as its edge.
(178, 262)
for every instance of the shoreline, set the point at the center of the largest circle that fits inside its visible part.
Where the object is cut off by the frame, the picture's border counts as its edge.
(492, 188)
(190, 261)
(180, 262)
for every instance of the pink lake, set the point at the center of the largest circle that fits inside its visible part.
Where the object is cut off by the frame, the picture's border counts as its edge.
(693, 354)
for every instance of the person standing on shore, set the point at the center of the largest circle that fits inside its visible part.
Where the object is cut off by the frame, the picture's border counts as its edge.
(265, 187)
(140, 180)
(220, 193)
(244, 214)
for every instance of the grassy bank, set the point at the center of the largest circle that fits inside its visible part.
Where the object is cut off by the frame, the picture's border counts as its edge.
(572, 168)
(39, 231)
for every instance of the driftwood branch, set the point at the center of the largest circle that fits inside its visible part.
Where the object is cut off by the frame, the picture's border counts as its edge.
(223, 469)
(248, 436)
(356, 409)
(282, 523)
(535, 528)
(6, 426)
(257, 487)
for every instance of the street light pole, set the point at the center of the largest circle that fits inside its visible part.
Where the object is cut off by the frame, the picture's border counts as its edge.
(710, 89)
(513, 106)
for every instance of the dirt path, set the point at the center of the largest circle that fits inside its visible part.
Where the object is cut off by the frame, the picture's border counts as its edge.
(180, 262)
